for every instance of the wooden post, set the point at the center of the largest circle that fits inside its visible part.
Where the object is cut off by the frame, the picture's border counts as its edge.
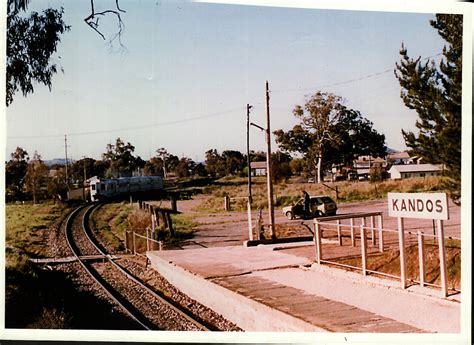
(174, 205)
(317, 240)
(126, 240)
(165, 219)
(153, 225)
(133, 241)
(249, 219)
(170, 223)
(372, 229)
(339, 235)
(147, 241)
(442, 258)
(421, 256)
(401, 242)
(226, 203)
(157, 217)
(353, 240)
(131, 201)
(363, 245)
(380, 225)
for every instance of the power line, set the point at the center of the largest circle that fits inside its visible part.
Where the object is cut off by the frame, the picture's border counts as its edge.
(352, 80)
(168, 123)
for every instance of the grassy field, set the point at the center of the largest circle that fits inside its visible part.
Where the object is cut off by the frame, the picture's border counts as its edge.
(27, 229)
(287, 193)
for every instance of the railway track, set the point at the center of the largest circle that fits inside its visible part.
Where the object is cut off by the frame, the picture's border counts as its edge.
(149, 309)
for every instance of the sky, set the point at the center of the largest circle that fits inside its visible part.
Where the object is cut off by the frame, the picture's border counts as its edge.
(187, 71)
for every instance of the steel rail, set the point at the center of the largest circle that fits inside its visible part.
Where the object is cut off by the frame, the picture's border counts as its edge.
(162, 299)
(70, 242)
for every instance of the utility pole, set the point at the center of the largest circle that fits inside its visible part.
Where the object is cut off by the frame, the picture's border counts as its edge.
(248, 153)
(65, 149)
(271, 214)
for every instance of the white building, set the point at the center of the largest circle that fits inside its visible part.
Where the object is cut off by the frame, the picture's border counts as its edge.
(414, 170)
(258, 168)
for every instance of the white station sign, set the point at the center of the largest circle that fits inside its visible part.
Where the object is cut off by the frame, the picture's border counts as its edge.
(418, 205)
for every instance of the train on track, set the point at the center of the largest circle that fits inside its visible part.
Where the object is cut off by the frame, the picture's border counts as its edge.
(101, 189)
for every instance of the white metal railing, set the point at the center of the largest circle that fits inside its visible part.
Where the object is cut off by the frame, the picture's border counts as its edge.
(379, 230)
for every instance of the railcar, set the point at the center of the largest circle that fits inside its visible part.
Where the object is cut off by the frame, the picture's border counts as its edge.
(101, 189)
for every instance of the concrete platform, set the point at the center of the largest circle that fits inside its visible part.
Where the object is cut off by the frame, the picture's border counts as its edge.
(267, 289)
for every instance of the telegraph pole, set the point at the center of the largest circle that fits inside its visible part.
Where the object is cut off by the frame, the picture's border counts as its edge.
(248, 153)
(271, 214)
(65, 150)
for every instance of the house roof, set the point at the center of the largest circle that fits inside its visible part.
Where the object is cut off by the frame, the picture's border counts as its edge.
(398, 155)
(416, 167)
(258, 165)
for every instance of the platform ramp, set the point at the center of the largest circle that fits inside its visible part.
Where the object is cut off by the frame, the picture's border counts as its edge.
(262, 289)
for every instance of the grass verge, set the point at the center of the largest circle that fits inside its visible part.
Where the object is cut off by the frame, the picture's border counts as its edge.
(286, 193)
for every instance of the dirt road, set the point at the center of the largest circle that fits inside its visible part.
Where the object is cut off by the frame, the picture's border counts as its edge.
(231, 228)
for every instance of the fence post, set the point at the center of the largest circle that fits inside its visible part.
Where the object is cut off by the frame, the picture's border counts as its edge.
(147, 241)
(226, 203)
(421, 256)
(363, 245)
(401, 242)
(380, 225)
(372, 229)
(133, 241)
(317, 240)
(126, 240)
(339, 235)
(170, 223)
(442, 258)
(174, 205)
(353, 240)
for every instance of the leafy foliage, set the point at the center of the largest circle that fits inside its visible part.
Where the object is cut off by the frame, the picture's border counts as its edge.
(31, 41)
(36, 176)
(121, 160)
(15, 171)
(435, 93)
(330, 134)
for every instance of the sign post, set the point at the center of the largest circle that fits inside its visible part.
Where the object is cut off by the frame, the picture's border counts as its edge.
(425, 206)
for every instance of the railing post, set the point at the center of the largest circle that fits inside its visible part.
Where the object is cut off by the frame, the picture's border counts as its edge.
(339, 235)
(442, 258)
(421, 257)
(401, 242)
(317, 240)
(353, 241)
(363, 245)
(372, 230)
(380, 226)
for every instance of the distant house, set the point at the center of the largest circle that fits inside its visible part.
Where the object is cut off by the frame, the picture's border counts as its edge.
(363, 164)
(414, 170)
(258, 168)
(397, 158)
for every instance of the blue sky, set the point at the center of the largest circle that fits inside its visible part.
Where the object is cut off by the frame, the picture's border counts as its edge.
(190, 69)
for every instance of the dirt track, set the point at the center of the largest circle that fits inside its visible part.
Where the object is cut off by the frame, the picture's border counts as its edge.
(231, 228)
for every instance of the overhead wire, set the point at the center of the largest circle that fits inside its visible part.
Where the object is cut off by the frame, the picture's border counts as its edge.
(132, 128)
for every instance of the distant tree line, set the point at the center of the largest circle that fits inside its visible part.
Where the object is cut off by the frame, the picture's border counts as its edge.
(29, 178)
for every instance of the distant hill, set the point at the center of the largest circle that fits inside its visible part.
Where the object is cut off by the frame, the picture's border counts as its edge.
(58, 161)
